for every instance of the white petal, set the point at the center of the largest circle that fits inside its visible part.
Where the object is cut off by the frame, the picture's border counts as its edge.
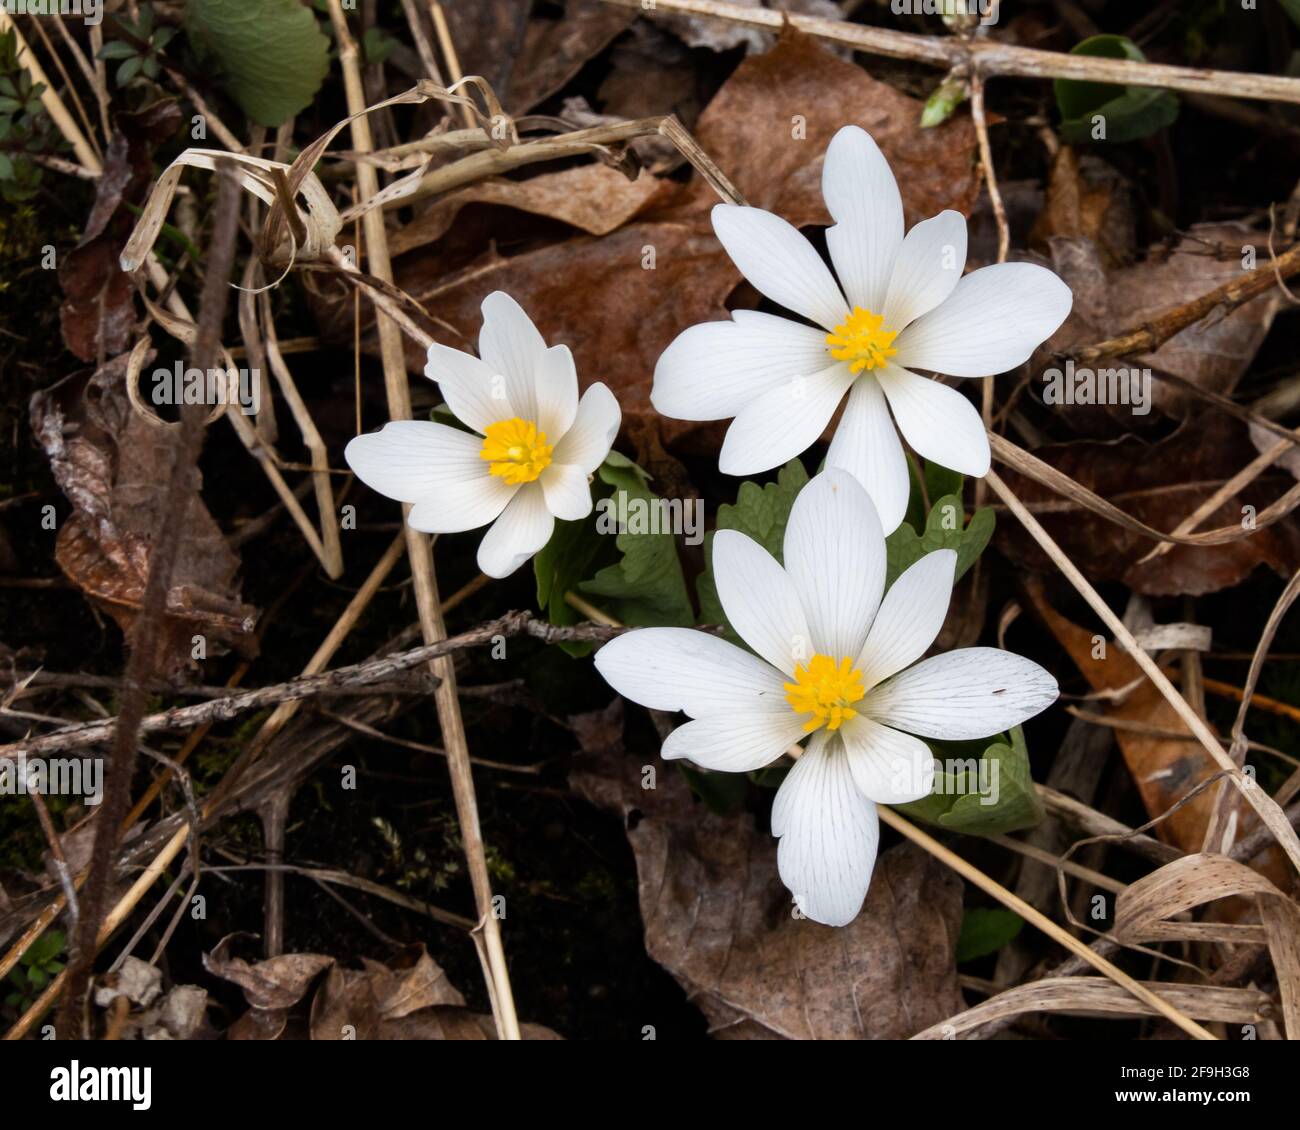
(888, 766)
(928, 266)
(682, 669)
(992, 322)
(866, 445)
(780, 262)
(862, 197)
(974, 692)
(523, 528)
(513, 349)
(467, 385)
(937, 421)
(829, 835)
(595, 425)
(834, 552)
(760, 601)
(735, 743)
(411, 460)
(910, 617)
(711, 371)
(464, 505)
(567, 492)
(556, 382)
(787, 419)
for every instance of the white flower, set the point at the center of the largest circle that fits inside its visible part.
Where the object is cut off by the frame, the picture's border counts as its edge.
(835, 660)
(908, 307)
(529, 458)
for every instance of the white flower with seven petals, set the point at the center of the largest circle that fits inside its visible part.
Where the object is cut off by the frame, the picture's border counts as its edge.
(529, 458)
(830, 658)
(904, 305)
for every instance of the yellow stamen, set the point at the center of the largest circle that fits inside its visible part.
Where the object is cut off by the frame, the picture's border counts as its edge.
(516, 450)
(860, 341)
(824, 689)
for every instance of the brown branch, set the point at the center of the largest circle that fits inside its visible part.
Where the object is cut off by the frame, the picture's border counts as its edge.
(988, 57)
(1226, 298)
(147, 634)
(329, 682)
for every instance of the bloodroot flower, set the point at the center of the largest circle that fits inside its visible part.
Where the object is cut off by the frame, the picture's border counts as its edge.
(830, 659)
(529, 456)
(907, 307)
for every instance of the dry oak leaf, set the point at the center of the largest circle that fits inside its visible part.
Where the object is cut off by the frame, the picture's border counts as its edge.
(1212, 353)
(114, 467)
(718, 918)
(1164, 769)
(594, 198)
(273, 985)
(1159, 484)
(413, 1000)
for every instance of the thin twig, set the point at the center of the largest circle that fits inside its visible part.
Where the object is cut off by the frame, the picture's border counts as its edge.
(988, 57)
(1267, 808)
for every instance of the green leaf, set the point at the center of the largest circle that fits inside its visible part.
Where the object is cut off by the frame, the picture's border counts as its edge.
(1292, 9)
(979, 789)
(945, 528)
(1128, 112)
(942, 480)
(563, 563)
(943, 103)
(759, 511)
(645, 587)
(6, 167)
(128, 70)
(117, 49)
(722, 793)
(985, 930)
(273, 53)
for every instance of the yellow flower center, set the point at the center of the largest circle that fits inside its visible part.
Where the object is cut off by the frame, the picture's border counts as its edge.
(860, 340)
(516, 450)
(825, 689)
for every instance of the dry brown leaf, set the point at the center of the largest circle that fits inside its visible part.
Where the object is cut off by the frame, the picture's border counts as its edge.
(413, 1000)
(98, 313)
(1163, 769)
(114, 468)
(1159, 484)
(273, 985)
(769, 125)
(1213, 353)
(556, 49)
(1098, 996)
(593, 198)
(1155, 908)
(413, 981)
(1086, 199)
(718, 918)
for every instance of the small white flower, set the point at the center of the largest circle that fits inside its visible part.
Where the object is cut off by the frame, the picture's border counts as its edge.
(835, 660)
(908, 307)
(529, 460)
